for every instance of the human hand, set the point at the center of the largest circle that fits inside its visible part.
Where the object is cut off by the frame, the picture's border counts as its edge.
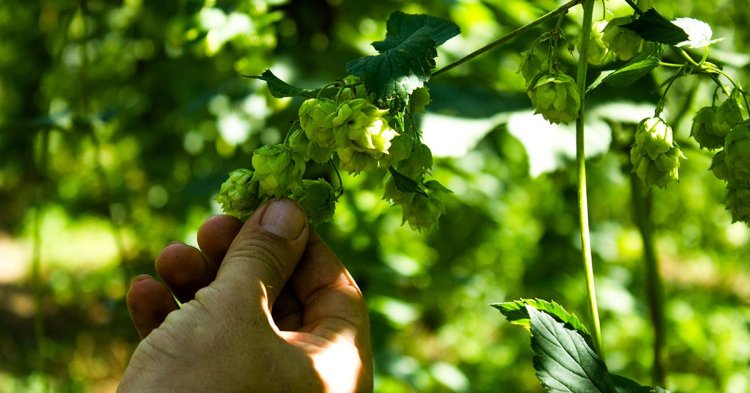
(267, 307)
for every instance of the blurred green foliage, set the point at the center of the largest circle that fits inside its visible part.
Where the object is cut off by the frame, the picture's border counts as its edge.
(119, 121)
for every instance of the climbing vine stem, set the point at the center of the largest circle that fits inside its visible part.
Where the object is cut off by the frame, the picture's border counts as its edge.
(583, 216)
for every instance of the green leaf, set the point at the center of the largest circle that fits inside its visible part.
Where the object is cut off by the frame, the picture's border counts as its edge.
(406, 56)
(281, 89)
(517, 314)
(405, 183)
(565, 363)
(626, 385)
(651, 26)
(632, 71)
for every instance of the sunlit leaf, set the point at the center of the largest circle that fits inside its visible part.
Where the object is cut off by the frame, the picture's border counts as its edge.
(406, 56)
(564, 361)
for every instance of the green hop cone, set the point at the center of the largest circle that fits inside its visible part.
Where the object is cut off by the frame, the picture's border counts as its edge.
(318, 199)
(599, 52)
(315, 118)
(424, 210)
(623, 42)
(363, 135)
(352, 89)
(719, 166)
(239, 194)
(533, 62)
(556, 98)
(417, 162)
(419, 99)
(307, 149)
(278, 169)
(712, 124)
(654, 156)
(738, 201)
(737, 152)
(703, 130)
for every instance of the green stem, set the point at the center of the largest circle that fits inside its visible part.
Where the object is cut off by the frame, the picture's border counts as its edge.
(583, 215)
(634, 7)
(513, 34)
(36, 259)
(642, 201)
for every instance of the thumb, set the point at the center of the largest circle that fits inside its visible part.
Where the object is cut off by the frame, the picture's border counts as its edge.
(263, 256)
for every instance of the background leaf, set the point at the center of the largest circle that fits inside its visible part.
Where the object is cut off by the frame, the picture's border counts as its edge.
(565, 363)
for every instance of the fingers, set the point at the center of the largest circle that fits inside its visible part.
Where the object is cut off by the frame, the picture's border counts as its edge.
(149, 302)
(215, 236)
(263, 256)
(184, 269)
(332, 301)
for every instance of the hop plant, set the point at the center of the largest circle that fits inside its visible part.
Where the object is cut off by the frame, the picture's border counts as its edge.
(278, 170)
(307, 149)
(712, 124)
(654, 156)
(417, 162)
(599, 52)
(623, 42)
(738, 201)
(533, 63)
(424, 209)
(239, 194)
(318, 199)
(316, 119)
(719, 166)
(556, 98)
(737, 152)
(363, 135)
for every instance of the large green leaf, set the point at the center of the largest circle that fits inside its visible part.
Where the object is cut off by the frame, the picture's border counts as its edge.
(517, 314)
(565, 363)
(632, 71)
(406, 56)
(651, 26)
(626, 385)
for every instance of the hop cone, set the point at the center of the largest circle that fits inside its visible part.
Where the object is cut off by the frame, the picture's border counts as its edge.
(307, 149)
(315, 118)
(655, 157)
(738, 201)
(737, 152)
(533, 63)
(712, 124)
(239, 194)
(278, 170)
(362, 134)
(556, 98)
(424, 210)
(719, 166)
(318, 199)
(599, 52)
(624, 43)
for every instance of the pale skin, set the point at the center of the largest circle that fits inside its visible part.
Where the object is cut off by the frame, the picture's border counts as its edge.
(267, 307)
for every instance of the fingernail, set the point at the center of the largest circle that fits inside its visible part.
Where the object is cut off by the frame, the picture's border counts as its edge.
(284, 218)
(139, 277)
